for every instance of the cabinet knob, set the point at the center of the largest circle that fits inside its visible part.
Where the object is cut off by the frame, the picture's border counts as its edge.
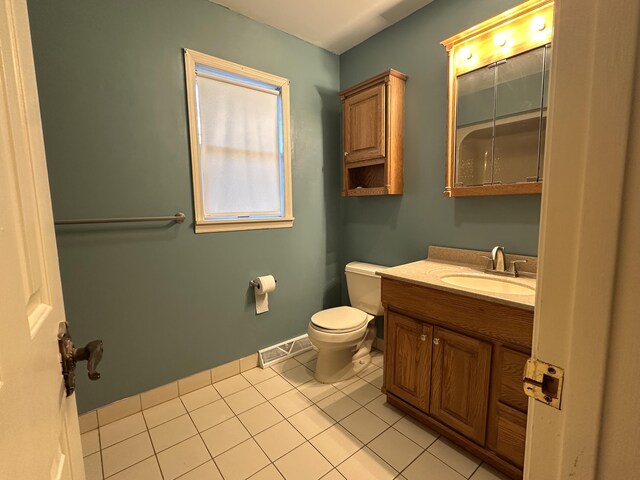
(423, 337)
(436, 341)
(346, 153)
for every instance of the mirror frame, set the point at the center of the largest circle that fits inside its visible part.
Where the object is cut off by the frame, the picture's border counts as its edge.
(478, 47)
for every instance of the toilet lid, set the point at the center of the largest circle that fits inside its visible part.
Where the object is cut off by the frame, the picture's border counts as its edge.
(340, 319)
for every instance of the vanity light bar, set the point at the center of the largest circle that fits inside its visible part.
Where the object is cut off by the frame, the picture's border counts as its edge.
(518, 30)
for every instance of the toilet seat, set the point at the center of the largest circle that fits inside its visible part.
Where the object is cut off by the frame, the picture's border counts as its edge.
(339, 320)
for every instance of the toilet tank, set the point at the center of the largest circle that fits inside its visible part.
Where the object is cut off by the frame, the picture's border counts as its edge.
(364, 286)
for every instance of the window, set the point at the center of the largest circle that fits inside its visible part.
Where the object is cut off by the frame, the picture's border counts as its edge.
(240, 145)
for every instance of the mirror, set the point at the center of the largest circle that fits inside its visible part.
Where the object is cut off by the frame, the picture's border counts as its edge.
(498, 89)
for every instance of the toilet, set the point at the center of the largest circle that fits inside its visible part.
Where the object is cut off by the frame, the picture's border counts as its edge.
(344, 336)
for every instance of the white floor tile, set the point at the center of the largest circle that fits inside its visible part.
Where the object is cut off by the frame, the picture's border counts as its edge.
(307, 356)
(333, 475)
(183, 457)
(485, 472)
(316, 391)
(395, 449)
(257, 375)
(298, 375)
(211, 415)
(338, 405)
(311, 421)
(428, 467)
(279, 440)
(242, 461)
(364, 425)
(200, 398)
(375, 378)
(303, 463)
(225, 436)
(312, 364)
(336, 444)
(244, 400)
(371, 368)
(119, 430)
(361, 391)
(126, 453)
(457, 458)
(147, 469)
(231, 385)
(345, 383)
(260, 418)
(164, 412)
(384, 410)
(172, 432)
(286, 365)
(366, 464)
(273, 387)
(290, 403)
(268, 473)
(206, 471)
(93, 467)
(90, 442)
(417, 432)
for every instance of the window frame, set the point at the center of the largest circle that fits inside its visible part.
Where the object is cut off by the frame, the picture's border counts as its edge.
(203, 225)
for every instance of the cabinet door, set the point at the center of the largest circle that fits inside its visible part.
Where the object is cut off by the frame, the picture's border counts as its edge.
(365, 125)
(408, 359)
(460, 383)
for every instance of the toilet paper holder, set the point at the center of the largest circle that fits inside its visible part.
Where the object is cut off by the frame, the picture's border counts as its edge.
(253, 283)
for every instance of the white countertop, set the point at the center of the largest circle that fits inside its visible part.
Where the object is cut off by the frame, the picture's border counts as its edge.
(429, 273)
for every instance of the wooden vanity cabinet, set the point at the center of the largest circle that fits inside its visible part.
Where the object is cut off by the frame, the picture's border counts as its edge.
(372, 135)
(455, 363)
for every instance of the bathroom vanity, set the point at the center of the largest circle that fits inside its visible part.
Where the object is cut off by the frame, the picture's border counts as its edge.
(454, 355)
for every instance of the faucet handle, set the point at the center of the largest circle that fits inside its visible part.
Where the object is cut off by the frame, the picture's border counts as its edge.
(491, 265)
(512, 266)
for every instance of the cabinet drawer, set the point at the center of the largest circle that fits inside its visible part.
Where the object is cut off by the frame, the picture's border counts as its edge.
(512, 429)
(510, 383)
(489, 319)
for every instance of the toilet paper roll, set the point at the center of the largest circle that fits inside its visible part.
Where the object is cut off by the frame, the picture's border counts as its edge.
(263, 286)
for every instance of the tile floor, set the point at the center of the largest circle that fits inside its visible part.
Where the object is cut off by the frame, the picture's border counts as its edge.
(277, 423)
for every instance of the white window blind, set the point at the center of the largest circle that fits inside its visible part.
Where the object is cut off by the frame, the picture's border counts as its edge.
(240, 137)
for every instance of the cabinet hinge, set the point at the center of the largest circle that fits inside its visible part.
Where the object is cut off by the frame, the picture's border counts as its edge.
(543, 382)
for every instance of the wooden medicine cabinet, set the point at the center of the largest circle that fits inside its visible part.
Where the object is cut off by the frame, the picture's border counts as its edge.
(498, 97)
(372, 135)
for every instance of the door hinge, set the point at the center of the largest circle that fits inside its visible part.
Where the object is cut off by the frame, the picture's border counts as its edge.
(543, 382)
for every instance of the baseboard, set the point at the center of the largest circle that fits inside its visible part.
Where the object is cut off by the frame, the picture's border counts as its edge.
(128, 406)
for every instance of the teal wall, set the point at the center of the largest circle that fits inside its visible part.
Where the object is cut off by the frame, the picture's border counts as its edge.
(395, 230)
(166, 302)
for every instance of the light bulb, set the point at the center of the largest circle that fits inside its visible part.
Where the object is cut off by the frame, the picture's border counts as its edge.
(500, 40)
(465, 52)
(538, 24)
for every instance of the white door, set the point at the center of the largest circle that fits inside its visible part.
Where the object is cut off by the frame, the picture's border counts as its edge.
(39, 435)
(591, 158)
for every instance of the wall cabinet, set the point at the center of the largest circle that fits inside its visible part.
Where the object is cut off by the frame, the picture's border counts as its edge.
(456, 363)
(373, 133)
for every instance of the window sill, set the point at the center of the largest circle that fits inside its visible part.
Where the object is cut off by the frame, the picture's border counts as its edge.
(239, 225)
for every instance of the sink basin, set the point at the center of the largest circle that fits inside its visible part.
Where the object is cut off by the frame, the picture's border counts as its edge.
(488, 284)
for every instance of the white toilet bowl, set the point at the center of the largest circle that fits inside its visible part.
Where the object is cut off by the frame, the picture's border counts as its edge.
(344, 336)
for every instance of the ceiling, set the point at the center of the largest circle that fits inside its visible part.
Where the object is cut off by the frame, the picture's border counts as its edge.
(335, 25)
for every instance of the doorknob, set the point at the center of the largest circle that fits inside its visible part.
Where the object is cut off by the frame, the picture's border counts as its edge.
(70, 356)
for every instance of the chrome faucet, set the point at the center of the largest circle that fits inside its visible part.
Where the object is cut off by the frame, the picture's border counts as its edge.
(497, 264)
